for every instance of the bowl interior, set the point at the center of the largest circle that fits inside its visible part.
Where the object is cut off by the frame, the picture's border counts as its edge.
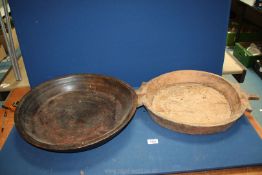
(194, 98)
(75, 111)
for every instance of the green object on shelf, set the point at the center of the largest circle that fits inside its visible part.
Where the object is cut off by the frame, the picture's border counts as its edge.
(231, 38)
(243, 37)
(241, 53)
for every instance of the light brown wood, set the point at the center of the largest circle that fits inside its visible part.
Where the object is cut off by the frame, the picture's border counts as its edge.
(10, 82)
(14, 96)
(192, 102)
(233, 171)
(254, 123)
(15, 39)
(2, 52)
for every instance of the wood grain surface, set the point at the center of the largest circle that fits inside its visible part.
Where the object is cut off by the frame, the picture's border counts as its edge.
(256, 170)
(2, 52)
(14, 96)
(254, 123)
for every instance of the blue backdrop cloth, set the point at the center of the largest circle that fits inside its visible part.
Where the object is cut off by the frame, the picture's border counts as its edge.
(129, 153)
(133, 40)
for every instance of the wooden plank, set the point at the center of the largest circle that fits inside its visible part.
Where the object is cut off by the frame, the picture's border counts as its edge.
(257, 170)
(14, 96)
(254, 123)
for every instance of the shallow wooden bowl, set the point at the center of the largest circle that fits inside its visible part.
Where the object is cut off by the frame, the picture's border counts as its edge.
(193, 102)
(75, 112)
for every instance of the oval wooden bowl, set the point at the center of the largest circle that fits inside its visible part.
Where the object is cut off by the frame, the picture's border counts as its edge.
(192, 102)
(75, 112)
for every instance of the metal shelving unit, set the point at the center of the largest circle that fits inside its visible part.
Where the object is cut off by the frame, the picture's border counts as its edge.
(9, 39)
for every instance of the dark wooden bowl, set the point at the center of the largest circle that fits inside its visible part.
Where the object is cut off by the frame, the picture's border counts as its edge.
(75, 112)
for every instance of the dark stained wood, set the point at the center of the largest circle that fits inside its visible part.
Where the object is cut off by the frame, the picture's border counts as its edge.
(75, 112)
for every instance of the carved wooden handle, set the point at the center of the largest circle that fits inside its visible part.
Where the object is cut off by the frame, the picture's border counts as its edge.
(141, 92)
